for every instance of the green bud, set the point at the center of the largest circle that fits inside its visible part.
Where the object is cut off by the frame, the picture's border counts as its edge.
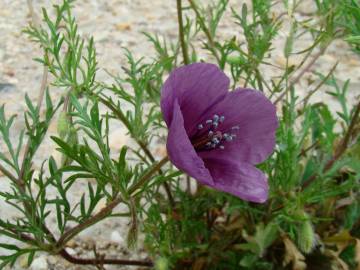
(306, 235)
(161, 264)
(234, 60)
(290, 40)
(63, 125)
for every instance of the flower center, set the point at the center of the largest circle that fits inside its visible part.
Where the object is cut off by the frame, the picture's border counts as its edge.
(210, 137)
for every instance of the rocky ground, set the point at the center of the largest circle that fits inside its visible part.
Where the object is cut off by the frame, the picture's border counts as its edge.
(116, 24)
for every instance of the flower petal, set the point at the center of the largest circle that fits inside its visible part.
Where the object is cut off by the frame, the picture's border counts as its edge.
(238, 178)
(181, 152)
(197, 87)
(255, 117)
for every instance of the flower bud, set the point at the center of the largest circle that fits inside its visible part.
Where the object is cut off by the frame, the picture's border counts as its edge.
(234, 60)
(306, 235)
(63, 125)
(162, 263)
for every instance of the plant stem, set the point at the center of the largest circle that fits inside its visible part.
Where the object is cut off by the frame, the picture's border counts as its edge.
(148, 175)
(27, 146)
(205, 30)
(8, 174)
(301, 73)
(142, 145)
(111, 205)
(341, 148)
(101, 261)
(181, 32)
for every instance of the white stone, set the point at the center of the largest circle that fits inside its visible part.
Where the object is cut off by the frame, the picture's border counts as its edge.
(40, 263)
(116, 237)
(71, 251)
(118, 138)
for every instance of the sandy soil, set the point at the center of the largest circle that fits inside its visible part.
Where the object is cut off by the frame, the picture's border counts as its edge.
(116, 24)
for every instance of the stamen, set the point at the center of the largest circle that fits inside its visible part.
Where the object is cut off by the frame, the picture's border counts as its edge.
(214, 137)
(208, 121)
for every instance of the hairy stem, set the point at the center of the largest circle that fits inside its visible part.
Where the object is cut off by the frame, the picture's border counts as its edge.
(181, 32)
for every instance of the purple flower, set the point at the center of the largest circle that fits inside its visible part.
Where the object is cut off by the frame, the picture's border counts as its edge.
(217, 136)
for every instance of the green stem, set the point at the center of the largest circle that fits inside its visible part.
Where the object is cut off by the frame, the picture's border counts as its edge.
(341, 148)
(8, 174)
(181, 32)
(205, 30)
(108, 209)
(142, 145)
(148, 175)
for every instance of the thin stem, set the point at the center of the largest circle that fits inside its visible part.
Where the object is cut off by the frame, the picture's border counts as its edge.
(34, 18)
(107, 210)
(142, 145)
(301, 73)
(38, 107)
(148, 175)
(165, 184)
(8, 174)
(101, 261)
(308, 96)
(341, 148)
(181, 32)
(88, 222)
(205, 29)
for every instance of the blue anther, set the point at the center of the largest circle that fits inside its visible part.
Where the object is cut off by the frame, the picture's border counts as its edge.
(200, 126)
(216, 117)
(222, 147)
(208, 121)
(211, 133)
(222, 118)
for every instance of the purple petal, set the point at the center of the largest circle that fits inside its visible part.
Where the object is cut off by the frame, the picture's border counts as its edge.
(238, 178)
(254, 117)
(197, 87)
(181, 152)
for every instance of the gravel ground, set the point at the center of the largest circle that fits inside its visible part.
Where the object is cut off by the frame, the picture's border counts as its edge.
(116, 24)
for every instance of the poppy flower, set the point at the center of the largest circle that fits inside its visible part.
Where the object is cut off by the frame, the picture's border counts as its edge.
(215, 135)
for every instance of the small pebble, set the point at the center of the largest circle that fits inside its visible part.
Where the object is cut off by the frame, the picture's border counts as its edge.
(40, 263)
(117, 238)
